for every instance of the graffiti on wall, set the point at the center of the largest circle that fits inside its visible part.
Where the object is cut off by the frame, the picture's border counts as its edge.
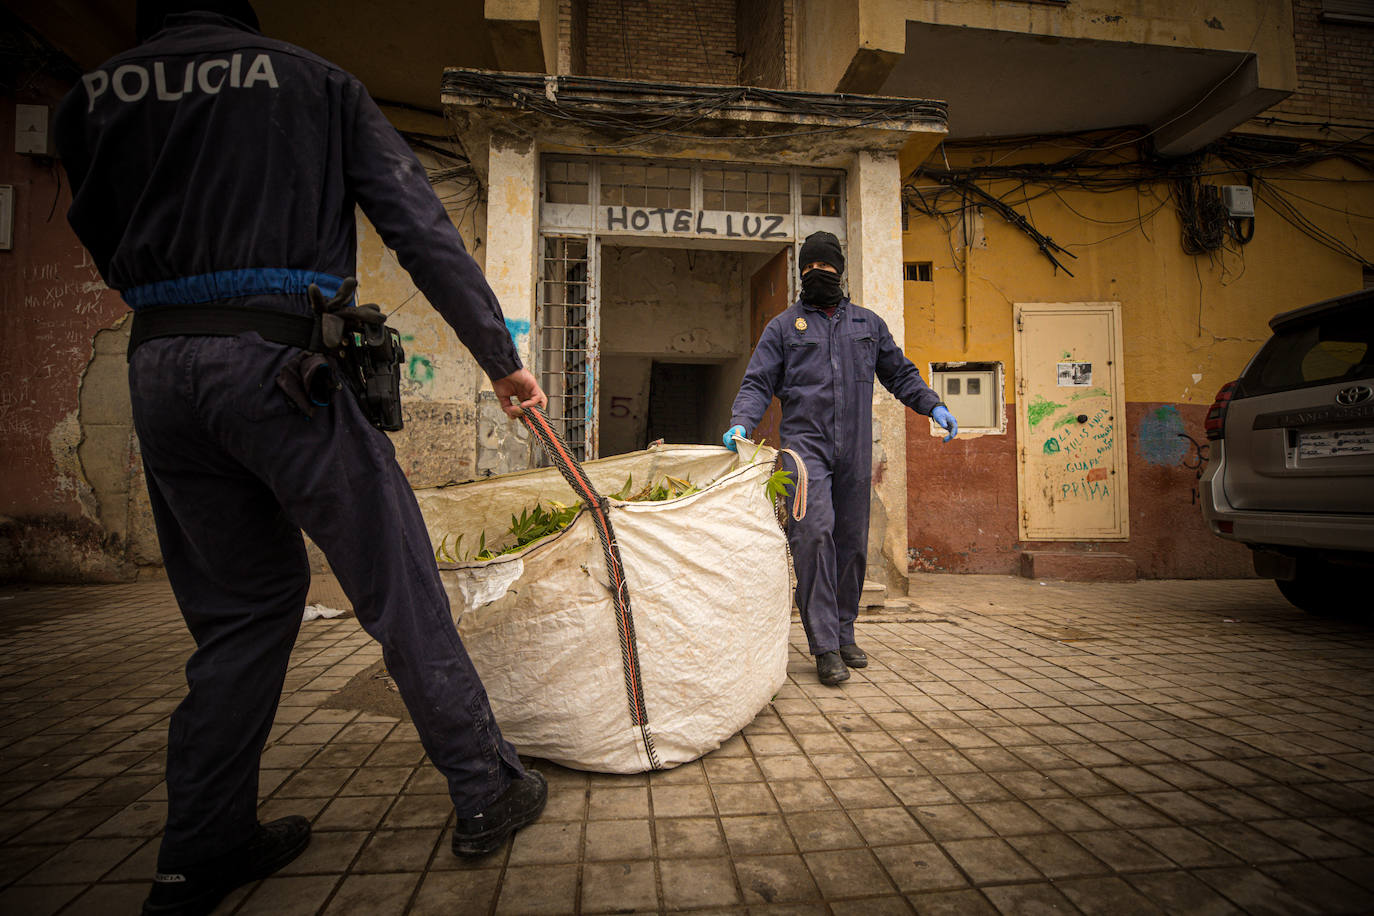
(1078, 442)
(1163, 440)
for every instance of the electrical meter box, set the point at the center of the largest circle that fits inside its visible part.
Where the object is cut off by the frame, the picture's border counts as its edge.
(1238, 199)
(31, 136)
(971, 394)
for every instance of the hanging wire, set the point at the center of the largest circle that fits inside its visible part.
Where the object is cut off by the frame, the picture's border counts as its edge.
(938, 190)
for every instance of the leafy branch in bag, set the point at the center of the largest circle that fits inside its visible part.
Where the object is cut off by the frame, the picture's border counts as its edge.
(776, 485)
(535, 524)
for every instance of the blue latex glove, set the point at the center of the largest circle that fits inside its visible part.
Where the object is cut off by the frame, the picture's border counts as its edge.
(946, 419)
(730, 434)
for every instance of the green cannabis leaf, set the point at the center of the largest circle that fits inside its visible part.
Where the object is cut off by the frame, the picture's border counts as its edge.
(776, 485)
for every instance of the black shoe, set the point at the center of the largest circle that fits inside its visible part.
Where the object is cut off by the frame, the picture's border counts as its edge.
(196, 891)
(519, 805)
(853, 656)
(830, 668)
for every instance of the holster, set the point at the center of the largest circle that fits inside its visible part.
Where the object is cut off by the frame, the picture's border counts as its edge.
(363, 352)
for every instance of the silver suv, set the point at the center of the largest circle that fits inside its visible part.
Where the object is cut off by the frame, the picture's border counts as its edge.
(1291, 473)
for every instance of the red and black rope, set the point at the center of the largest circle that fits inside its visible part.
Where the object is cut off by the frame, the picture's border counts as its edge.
(568, 466)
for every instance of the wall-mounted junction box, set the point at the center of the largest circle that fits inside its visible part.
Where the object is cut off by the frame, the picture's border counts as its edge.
(1238, 199)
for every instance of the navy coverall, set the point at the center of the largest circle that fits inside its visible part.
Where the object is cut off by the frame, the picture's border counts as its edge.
(213, 165)
(821, 369)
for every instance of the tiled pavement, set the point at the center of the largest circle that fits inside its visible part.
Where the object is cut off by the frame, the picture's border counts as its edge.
(1014, 747)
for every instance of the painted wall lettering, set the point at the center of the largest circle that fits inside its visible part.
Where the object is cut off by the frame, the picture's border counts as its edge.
(670, 221)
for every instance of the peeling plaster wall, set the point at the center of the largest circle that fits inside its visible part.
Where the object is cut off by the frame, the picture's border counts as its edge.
(64, 512)
(445, 435)
(510, 219)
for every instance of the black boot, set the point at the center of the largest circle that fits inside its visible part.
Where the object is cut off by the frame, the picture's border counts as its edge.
(197, 890)
(853, 656)
(520, 804)
(830, 668)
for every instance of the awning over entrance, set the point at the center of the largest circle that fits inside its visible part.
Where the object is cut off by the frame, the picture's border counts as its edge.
(594, 115)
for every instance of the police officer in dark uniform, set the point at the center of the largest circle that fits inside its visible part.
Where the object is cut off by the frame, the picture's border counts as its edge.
(819, 358)
(214, 174)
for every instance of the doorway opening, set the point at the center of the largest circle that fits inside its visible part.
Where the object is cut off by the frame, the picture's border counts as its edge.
(674, 340)
(675, 407)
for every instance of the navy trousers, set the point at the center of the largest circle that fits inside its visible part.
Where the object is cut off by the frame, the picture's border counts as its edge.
(235, 471)
(830, 550)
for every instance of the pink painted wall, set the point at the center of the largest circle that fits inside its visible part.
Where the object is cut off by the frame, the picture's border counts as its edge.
(962, 501)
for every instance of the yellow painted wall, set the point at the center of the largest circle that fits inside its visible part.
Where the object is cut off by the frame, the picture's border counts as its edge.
(1189, 324)
(1183, 315)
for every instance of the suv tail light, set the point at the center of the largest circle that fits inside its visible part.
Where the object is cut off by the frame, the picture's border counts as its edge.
(1216, 416)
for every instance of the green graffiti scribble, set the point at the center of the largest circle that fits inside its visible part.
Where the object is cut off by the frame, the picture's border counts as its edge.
(1090, 393)
(407, 338)
(1051, 446)
(1064, 420)
(420, 370)
(1164, 413)
(1067, 356)
(1039, 409)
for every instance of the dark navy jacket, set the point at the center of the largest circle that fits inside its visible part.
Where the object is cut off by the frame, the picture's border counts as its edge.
(822, 370)
(212, 164)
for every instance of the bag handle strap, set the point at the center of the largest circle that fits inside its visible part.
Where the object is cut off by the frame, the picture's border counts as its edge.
(562, 457)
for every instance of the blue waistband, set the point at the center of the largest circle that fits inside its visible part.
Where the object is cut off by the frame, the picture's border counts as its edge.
(231, 284)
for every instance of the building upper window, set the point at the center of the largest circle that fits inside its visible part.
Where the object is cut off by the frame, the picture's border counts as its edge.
(565, 182)
(820, 195)
(1351, 12)
(635, 184)
(753, 191)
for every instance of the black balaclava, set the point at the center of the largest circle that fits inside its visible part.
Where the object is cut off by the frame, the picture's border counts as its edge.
(821, 287)
(151, 13)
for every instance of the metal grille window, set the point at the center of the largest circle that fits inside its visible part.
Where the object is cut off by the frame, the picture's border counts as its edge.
(820, 195)
(566, 182)
(750, 190)
(633, 184)
(564, 340)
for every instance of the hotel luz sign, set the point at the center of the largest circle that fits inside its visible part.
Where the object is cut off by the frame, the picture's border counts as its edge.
(694, 223)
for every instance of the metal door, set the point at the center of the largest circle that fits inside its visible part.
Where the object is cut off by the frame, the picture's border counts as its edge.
(1070, 411)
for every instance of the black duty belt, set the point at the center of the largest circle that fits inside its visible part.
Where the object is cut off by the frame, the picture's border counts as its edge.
(221, 321)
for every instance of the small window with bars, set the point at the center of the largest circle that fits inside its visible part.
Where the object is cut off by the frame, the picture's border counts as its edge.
(566, 182)
(635, 184)
(820, 194)
(564, 341)
(754, 191)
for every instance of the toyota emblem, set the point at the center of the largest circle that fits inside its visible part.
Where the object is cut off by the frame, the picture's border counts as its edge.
(1354, 395)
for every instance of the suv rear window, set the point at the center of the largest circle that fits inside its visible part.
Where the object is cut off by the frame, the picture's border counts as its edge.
(1330, 349)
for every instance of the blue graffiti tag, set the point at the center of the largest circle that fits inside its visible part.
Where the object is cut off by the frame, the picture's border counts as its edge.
(519, 332)
(1160, 441)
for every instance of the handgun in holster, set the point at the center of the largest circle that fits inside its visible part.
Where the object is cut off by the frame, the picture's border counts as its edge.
(365, 353)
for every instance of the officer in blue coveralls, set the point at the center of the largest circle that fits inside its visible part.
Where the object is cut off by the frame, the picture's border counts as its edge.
(215, 175)
(819, 358)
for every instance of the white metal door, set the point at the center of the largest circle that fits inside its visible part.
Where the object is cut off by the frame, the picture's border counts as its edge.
(1070, 411)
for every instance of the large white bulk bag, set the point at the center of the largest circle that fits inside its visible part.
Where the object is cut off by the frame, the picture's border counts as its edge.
(705, 641)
